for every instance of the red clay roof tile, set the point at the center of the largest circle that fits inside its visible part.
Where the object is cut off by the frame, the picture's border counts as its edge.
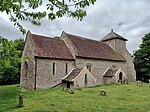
(51, 47)
(93, 49)
(74, 73)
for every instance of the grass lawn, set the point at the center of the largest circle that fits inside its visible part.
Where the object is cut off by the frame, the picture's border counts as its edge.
(119, 98)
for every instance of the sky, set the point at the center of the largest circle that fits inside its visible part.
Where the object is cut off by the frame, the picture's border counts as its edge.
(128, 18)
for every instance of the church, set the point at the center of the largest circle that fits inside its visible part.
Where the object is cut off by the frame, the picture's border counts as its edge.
(73, 61)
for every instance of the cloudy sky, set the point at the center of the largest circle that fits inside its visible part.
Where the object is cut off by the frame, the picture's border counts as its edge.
(129, 18)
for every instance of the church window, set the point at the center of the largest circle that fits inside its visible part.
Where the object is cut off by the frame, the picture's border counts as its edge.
(85, 78)
(54, 68)
(26, 69)
(66, 68)
(89, 67)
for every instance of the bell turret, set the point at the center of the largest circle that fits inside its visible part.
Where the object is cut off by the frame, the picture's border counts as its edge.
(117, 42)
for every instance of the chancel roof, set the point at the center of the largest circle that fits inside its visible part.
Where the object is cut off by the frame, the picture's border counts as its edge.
(88, 48)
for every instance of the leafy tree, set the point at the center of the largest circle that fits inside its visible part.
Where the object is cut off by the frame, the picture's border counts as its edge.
(10, 60)
(26, 10)
(142, 59)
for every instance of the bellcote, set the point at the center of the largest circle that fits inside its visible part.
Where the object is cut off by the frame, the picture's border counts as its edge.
(112, 35)
(115, 41)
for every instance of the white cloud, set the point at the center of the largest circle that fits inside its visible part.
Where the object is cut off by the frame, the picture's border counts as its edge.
(129, 18)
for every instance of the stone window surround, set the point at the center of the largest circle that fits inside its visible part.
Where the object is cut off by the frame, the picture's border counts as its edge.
(89, 66)
(54, 68)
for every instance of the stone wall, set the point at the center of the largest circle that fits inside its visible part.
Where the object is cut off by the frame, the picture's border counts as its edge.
(45, 77)
(120, 46)
(130, 70)
(107, 80)
(129, 66)
(69, 44)
(27, 78)
(80, 80)
(99, 67)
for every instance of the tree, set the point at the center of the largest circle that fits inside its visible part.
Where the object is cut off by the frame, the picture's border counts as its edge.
(10, 60)
(26, 10)
(142, 59)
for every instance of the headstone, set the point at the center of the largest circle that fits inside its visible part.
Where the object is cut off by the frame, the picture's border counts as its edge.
(71, 91)
(67, 90)
(63, 88)
(103, 92)
(78, 88)
(139, 83)
(149, 82)
(126, 81)
(20, 100)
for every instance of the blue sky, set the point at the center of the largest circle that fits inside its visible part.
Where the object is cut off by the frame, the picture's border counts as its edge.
(129, 18)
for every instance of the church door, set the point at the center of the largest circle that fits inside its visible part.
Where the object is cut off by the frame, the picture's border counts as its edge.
(120, 77)
(68, 85)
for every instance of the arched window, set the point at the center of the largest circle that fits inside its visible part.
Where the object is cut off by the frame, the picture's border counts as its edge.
(86, 78)
(89, 66)
(120, 76)
(66, 68)
(26, 69)
(54, 69)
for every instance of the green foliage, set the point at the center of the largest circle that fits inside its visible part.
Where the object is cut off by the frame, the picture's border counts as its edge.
(142, 59)
(119, 98)
(26, 10)
(10, 60)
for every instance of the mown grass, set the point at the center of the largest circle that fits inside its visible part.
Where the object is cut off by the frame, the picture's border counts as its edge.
(119, 98)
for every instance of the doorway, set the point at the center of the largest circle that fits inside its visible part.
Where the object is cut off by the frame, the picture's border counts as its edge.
(68, 85)
(120, 77)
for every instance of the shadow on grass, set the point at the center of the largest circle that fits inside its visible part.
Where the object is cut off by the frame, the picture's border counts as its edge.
(17, 107)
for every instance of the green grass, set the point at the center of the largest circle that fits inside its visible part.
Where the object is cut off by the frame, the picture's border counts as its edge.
(119, 98)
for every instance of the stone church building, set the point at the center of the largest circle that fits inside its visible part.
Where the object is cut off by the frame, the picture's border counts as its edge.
(73, 61)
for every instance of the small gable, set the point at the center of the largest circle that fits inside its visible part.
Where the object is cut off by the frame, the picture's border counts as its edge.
(109, 73)
(120, 75)
(79, 78)
(72, 75)
(114, 76)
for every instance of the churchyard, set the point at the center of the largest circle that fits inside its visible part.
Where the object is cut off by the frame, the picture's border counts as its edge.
(119, 98)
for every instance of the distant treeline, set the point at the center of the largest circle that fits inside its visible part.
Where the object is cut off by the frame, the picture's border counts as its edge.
(11, 52)
(10, 60)
(142, 59)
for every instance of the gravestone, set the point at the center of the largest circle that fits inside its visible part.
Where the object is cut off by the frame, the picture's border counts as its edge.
(103, 92)
(20, 100)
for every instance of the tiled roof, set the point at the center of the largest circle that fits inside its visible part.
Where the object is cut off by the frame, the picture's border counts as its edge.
(110, 73)
(72, 75)
(50, 47)
(112, 35)
(93, 49)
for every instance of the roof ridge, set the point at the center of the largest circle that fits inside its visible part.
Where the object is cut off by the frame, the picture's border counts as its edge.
(90, 48)
(38, 35)
(76, 36)
(48, 47)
